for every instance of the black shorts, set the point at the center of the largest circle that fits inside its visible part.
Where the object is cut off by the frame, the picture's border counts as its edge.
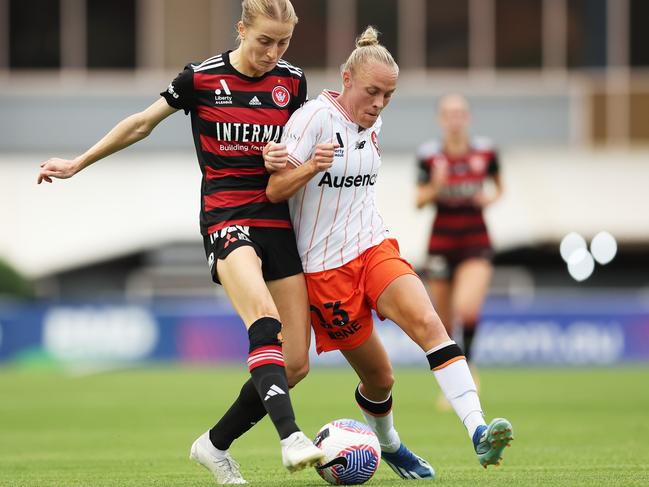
(275, 247)
(442, 266)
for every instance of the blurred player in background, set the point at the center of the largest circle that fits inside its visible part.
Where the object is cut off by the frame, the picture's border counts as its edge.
(328, 165)
(238, 101)
(451, 176)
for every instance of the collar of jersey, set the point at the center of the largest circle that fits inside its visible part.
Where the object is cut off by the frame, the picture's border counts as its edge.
(226, 61)
(329, 97)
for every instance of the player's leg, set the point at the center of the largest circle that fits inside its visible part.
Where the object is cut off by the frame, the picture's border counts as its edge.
(439, 277)
(242, 279)
(470, 287)
(254, 303)
(440, 285)
(440, 292)
(374, 397)
(248, 408)
(282, 270)
(342, 320)
(374, 392)
(404, 300)
(290, 297)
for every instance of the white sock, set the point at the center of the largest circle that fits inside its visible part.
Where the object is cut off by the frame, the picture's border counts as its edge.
(214, 450)
(458, 386)
(383, 427)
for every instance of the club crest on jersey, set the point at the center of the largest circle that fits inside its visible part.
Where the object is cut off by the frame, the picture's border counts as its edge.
(375, 141)
(281, 96)
(478, 163)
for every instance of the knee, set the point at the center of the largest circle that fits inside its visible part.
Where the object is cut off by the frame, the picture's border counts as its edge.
(295, 372)
(264, 332)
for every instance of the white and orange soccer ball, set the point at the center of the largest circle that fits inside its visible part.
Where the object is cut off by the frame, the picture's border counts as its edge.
(352, 452)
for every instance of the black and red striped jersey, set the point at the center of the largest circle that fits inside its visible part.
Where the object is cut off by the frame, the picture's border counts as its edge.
(466, 172)
(233, 116)
(459, 224)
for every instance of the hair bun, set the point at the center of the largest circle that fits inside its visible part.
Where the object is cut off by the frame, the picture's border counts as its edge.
(369, 37)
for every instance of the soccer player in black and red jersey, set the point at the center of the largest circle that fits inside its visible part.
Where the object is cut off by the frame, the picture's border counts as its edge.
(239, 101)
(451, 176)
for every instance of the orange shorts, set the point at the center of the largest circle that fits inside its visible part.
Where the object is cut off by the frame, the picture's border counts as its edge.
(342, 299)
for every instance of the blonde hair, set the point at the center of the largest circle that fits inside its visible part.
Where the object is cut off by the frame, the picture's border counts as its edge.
(280, 10)
(453, 98)
(368, 49)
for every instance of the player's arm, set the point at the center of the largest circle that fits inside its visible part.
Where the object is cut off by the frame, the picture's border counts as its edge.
(426, 194)
(127, 132)
(429, 186)
(284, 183)
(484, 198)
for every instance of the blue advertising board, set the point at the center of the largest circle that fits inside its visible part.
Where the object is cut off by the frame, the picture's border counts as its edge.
(561, 330)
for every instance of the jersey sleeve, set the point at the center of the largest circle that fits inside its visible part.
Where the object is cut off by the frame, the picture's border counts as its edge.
(486, 146)
(180, 92)
(423, 171)
(424, 168)
(494, 164)
(302, 133)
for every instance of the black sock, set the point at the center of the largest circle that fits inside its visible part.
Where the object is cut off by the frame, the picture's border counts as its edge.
(245, 412)
(444, 356)
(468, 332)
(266, 365)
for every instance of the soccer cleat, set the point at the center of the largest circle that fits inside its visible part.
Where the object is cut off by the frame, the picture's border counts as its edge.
(407, 465)
(299, 452)
(490, 441)
(224, 469)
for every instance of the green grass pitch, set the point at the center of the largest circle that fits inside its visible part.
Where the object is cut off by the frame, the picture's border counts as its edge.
(579, 427)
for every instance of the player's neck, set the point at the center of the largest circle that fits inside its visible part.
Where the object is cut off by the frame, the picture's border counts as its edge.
(456, 146)
(238, 62)
(344, 103)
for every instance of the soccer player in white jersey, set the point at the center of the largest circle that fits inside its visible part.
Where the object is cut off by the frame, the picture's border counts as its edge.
(327, 165)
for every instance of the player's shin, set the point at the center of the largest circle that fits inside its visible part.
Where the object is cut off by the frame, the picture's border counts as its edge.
(468, 333)
(454, 377)
(245, 412)
(266, 365)
(379, 416)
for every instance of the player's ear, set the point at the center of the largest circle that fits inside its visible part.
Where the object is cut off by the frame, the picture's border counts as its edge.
(347, 79)
(241, 30)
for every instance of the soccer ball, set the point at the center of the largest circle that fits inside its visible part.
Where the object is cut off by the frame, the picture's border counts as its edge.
(352, 452)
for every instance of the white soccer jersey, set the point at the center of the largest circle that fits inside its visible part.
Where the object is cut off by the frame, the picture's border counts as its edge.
(334, 215)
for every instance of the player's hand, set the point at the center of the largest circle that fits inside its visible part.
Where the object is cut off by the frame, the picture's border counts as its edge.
(275, 156)
(56, 168)
(482, 200)
(323, 156)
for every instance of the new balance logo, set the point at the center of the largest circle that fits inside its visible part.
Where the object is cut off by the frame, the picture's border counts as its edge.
(273, 391)
(254, 102)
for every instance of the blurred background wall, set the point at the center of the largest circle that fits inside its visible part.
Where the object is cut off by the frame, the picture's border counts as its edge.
(561, 86)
